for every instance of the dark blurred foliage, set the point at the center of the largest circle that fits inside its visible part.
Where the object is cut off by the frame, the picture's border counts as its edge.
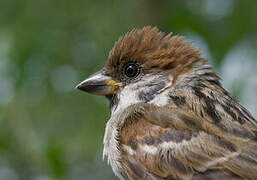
(49, 130)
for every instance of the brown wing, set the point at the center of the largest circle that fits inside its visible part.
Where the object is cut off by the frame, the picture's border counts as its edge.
(167, 143)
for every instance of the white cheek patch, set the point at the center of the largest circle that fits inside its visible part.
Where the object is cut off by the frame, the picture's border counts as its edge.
(130, 94)
(161, 99)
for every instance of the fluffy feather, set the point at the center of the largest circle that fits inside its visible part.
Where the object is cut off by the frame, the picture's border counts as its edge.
(174, 120)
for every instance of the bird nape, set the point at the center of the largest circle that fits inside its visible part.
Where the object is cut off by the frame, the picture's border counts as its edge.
(170, 116)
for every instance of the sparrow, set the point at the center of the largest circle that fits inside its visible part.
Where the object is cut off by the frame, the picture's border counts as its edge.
(170, 116)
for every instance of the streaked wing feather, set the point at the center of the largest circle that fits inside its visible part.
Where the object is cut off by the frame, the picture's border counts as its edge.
(176, 145)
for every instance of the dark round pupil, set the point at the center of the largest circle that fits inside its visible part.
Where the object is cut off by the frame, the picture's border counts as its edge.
(131, 70)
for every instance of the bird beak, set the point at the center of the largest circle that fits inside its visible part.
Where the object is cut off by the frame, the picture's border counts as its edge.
(99, 84)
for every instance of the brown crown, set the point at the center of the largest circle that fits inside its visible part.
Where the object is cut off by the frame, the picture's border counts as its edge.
(153, 50)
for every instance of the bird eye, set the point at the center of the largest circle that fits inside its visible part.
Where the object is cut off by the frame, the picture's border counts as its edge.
(131, 70)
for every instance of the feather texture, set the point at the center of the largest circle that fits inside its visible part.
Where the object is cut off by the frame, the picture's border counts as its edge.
(201, 132)
(166, 146)
(173, 120)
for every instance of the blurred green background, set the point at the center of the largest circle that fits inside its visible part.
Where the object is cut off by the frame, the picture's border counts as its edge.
(49, 130)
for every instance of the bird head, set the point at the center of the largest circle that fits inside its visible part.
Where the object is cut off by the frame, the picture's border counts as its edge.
(141, 66)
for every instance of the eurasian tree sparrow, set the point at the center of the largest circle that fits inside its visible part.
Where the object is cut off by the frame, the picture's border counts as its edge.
(170, 116)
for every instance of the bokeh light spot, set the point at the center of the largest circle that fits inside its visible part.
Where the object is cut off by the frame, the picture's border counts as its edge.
(64, 78)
